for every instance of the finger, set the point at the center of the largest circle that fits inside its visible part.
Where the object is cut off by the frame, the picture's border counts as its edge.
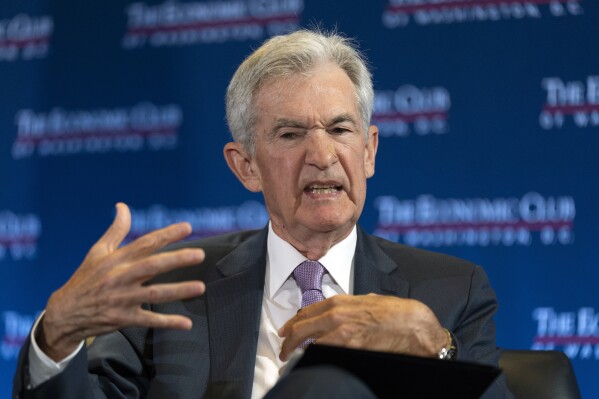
(301, 330)
(149, 319)
(152, 266)
(119, 228)
(155, 240)
(160, 293)
(314, 310)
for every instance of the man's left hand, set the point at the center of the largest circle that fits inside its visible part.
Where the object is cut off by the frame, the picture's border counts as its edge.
(372, 322)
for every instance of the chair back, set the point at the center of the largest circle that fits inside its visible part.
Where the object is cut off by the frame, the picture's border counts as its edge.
(539, 374)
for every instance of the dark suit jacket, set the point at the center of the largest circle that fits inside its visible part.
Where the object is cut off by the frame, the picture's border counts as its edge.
(216, 358)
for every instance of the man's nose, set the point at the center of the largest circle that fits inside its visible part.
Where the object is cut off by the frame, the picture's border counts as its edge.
(321, 151)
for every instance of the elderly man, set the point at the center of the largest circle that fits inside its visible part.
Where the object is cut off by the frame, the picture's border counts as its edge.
(219, 317)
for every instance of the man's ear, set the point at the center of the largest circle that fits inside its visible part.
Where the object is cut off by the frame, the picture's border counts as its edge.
(242, 165)
(370, 150)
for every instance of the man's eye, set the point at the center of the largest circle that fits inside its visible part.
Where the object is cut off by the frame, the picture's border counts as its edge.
(288, 135)
(340, 130)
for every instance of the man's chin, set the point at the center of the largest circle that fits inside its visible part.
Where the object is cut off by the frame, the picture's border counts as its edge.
(325, 224)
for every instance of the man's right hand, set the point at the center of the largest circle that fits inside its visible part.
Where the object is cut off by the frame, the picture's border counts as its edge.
(106, 292)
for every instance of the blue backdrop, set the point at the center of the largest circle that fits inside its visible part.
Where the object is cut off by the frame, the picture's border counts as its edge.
(489, 119)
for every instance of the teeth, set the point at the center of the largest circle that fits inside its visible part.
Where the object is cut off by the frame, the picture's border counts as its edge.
(323, 190)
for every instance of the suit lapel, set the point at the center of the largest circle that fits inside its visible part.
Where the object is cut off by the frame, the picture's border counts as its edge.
(374, 271)
(234, 300)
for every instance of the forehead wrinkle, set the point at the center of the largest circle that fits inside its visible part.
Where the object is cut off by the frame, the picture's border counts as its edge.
(279, 89)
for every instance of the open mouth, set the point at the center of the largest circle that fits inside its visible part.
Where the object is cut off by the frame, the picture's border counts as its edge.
(322, 189)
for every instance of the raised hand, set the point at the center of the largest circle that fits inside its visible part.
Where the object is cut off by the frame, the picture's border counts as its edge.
(106, 292)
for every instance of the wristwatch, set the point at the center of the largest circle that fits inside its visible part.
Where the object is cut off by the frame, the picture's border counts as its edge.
(449, 351)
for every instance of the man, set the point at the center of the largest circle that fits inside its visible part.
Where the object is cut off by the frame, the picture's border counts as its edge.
(221, 314)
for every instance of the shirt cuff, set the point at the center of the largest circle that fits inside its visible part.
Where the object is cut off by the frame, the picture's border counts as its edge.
(41, 367)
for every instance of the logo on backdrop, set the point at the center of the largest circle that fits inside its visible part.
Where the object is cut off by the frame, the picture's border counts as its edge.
(204, 221)
(16, 329)
(433, 222)
(25, 37)
(400, 13)
(18, 235)
(411, 110)
(67, 132)
(178, 24)
(574, 103)
(576, 333)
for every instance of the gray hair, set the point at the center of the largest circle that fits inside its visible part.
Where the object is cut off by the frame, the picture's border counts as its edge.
(283, 56)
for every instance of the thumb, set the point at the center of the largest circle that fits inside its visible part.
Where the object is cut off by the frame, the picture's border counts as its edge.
(119, 228)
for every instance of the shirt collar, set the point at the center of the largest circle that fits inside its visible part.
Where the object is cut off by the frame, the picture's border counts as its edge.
(283, 258)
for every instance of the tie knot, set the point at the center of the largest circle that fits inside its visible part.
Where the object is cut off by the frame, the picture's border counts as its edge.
(309, 275)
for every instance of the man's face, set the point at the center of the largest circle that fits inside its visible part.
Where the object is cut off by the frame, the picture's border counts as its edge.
(312, 159)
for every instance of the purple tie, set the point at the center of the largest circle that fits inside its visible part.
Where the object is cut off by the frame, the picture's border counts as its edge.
(308, 276)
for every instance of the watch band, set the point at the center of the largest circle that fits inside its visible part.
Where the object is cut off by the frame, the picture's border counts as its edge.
(448, 352)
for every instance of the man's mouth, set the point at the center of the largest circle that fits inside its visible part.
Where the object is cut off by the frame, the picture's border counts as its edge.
(322, 189)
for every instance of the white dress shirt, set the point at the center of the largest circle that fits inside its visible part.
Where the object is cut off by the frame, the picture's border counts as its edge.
(283, 298)
(281, 301)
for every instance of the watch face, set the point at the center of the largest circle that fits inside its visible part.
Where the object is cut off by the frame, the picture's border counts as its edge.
(451, 353)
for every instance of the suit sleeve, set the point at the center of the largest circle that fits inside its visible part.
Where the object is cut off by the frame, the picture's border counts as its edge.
(111, 368)
(474, 331)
